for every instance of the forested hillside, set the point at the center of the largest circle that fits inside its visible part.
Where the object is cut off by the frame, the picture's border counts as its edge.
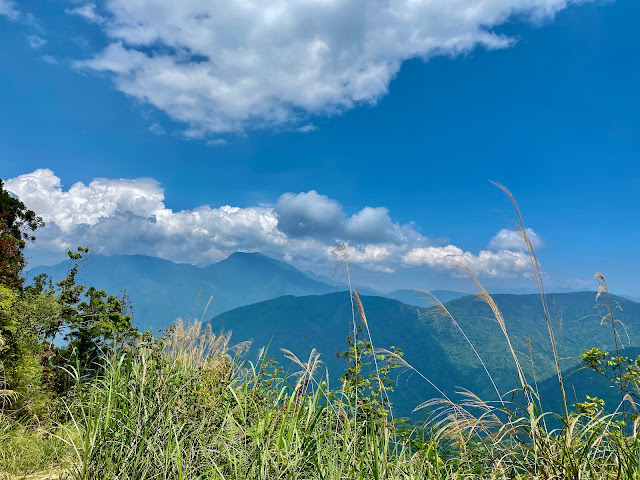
(431, 341)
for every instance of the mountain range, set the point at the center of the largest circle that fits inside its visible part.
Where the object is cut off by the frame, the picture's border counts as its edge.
(162, 291)
(275, 304)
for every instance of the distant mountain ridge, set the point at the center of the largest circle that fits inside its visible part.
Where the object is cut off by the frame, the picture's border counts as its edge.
(422, 299)
(343, 285)
(161, 291)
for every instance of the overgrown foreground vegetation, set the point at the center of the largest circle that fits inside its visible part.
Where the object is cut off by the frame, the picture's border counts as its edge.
(85, 396)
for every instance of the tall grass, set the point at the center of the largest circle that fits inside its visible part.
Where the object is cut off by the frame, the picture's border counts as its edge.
(166, 412)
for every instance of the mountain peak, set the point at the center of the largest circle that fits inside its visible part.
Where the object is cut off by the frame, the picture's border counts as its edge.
(254, 259)
(245, 255)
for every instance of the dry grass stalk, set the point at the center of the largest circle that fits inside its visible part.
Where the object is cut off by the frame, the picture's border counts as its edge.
(308, 368)
(195, 346)
(533, 370)
(488, 299)
(306, 374)
(537, 273)
(603, 289)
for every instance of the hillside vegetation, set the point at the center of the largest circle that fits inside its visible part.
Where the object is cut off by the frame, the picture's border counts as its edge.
(431, 342)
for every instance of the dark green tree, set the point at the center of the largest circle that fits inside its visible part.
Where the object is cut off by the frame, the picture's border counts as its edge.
(90, 319)
(21, 222)
(100, 322)
(12, 260)
(17, 227)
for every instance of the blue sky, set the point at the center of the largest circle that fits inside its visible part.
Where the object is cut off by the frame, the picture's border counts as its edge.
(544, 100)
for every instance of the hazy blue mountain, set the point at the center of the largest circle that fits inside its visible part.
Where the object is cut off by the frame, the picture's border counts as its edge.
(630, 297)
(413, 297)
(161, 291)
(532, 290)
(323, 278)
(342, 285)
(431, 342)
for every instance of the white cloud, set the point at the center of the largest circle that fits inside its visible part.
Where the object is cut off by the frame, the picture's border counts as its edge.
(507, 239)
(86, 11)
(86, 204)
(377, 258)
(371, 223)
(504, 263)
(36, 42)
(229, 65)
(128, 216)
(8, 9)
(49, 59)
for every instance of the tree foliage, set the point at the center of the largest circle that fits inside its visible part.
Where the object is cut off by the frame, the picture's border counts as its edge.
(11, 259)
(17, 227)
(21, 222)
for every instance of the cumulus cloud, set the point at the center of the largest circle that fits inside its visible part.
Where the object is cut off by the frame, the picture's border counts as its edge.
(228, 65)
(504, 263)
(507, 239)
(128, 216)
(371, 223)
(309, 214)
(86, 204)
